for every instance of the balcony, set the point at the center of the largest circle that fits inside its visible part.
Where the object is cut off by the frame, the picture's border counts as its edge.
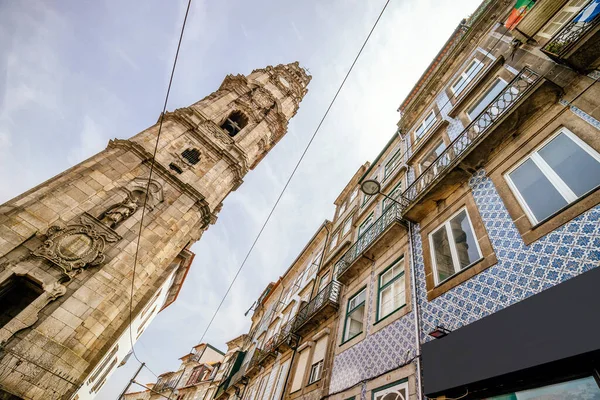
(578, 42)
(286, 338)
(520, 101)
(380, 235)
(255, 362)
(321, 307)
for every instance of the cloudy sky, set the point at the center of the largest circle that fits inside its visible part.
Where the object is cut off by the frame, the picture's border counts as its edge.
(75, 74)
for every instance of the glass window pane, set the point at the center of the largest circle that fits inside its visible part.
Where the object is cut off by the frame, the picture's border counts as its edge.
(541, 196)
(354, 322)
(464, 240)
(575, 166)
(442, 255)
(386, 301)
(487, 98)
(585, 388)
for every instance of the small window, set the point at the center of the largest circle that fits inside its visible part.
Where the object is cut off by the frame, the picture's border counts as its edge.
(390, 166)
(323, 282)
(365, 225)
(561, 171)
(392, 288)
(333, 242)
(353, 195)
(315, 372)
(430, 157)
(396, 191)
(426, 125)
(16, 293)
(191, 155)
(355, 313)
(496, 88)
(466, 76)
(175, 168)
(453, 247)
(234, 123)
(342, 208)
(347, 227)
(394, 391)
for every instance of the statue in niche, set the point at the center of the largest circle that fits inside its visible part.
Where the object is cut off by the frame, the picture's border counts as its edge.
(119, 212)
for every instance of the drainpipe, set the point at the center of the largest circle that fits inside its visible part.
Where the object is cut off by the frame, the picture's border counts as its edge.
(415, 300)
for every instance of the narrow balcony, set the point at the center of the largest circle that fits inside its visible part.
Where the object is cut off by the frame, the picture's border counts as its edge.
(286, 339)
(321, 307)
(255, 362)
(380, 235)
(520, 101)
(578, 42)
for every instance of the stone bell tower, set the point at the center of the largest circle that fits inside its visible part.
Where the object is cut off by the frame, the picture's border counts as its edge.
(67, 246)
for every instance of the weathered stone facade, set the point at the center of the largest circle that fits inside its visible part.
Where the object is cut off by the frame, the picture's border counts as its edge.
(72, 240)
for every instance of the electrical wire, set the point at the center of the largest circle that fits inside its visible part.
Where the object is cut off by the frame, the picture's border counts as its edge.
(152, 162)
(294, 170)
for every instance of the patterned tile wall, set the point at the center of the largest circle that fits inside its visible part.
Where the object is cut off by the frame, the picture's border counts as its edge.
(385, 350)
(521, 270)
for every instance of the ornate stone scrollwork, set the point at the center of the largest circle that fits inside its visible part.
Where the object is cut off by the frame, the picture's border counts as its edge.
(119, 212)
(77, 245)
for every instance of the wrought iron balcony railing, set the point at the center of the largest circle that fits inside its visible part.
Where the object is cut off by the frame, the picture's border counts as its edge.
(392, 214)
(330, 294)
(574, 30)
(470, 136)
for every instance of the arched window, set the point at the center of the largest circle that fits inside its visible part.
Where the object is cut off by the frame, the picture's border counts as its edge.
(235, 123)
(191, 155)
(16, 293)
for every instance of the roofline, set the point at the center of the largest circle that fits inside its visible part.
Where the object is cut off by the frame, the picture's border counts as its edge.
(389, 143)
(310, 241)
(215, 349)
(343, 193)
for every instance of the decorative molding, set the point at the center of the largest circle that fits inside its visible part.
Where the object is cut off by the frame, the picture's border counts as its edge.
(146, 157)
(77, 246)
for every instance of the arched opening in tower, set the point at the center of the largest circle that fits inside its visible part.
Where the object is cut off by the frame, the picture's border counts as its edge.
(234, 123)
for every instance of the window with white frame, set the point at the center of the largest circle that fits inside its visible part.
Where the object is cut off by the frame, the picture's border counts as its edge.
(355, 314)
(393, 391)
(323, 282)
(333, 241)
(347, 226)
(315, 372)
(454, 246)
(425, 125)
(391, 290)
(494, 90)
(365, 224)
(466, 76)
(560, 171)
(561, 18)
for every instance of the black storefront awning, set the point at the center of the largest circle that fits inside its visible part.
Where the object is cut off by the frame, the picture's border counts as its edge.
(546, 337)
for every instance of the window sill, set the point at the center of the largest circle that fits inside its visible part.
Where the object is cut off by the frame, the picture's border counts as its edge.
(390, 314)
(350, 338)
(462, 276)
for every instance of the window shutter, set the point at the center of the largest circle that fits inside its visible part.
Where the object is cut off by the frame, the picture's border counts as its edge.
(320, 349)
(300, 368)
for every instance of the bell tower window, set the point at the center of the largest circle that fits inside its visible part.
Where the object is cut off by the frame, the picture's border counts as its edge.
(16, 293)
(191, 155)
(234, 123)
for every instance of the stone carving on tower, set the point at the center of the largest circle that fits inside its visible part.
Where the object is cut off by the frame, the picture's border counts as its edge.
(70, 241)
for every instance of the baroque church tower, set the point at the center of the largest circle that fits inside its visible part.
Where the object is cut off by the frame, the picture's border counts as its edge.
(67, 246)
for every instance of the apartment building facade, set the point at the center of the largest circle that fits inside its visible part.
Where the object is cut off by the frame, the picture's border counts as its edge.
(464, 256)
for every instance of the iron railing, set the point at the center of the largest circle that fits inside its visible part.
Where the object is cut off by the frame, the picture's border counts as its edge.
(330, 294)
(566, 38)
(391, 214)
(471, 135)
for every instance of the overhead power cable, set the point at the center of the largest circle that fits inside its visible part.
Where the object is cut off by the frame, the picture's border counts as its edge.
(152, 162)
(294, 170)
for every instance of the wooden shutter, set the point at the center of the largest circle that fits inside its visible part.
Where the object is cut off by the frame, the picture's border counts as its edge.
(320, 349)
